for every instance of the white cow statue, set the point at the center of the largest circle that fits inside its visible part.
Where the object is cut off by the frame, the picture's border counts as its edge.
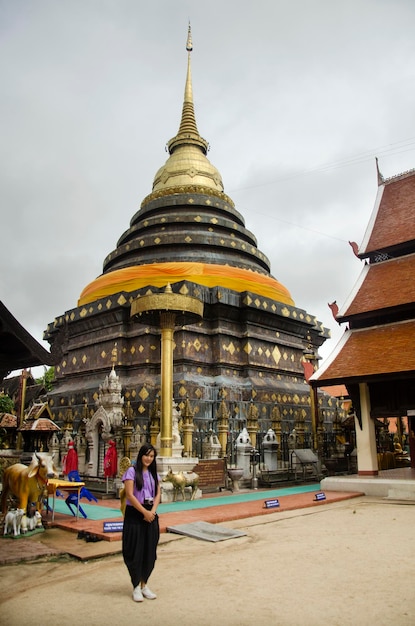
(13, 521)
(31, 523)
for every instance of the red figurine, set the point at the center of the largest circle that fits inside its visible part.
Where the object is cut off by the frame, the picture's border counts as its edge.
(110, 460)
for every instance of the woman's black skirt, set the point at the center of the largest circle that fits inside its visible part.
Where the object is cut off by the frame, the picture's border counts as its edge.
(139, 544)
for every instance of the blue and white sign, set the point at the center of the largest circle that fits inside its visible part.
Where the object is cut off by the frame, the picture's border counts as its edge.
(113, 527)
(272, 504)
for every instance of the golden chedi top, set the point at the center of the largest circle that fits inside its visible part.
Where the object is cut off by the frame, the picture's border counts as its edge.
(188, 164)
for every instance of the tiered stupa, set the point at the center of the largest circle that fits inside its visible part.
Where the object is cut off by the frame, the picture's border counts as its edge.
(188, 234)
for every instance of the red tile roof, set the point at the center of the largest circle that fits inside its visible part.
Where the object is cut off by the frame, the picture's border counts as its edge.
(7, 420)
(393, 218)
(383, 285)
(371, 352)
(42, 423)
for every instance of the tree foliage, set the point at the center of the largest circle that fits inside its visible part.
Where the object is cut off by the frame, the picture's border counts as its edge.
(6, 403)
(47, 379)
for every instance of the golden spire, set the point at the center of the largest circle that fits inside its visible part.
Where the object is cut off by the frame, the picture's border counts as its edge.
(188, 132)
(187, 165)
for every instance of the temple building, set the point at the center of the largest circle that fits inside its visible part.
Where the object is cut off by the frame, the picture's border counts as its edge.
(188, 238)
(375, 358)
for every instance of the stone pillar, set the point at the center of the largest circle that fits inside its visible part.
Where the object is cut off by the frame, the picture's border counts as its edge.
(270, 445)
(243, 452)
(367, 461)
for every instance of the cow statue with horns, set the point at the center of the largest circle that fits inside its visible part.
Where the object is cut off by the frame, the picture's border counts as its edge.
(28, 483)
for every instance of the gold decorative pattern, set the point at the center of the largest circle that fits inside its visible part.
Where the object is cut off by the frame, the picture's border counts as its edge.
(143, 394)
(276, 355)
(248, 348)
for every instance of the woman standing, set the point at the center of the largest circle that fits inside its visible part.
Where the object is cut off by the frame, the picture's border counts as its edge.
(141, 526)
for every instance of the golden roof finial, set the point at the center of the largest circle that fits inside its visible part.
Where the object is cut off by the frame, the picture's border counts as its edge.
(188, 132)
(189, 44)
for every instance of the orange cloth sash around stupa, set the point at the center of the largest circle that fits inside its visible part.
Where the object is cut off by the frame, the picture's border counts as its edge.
(160, 274)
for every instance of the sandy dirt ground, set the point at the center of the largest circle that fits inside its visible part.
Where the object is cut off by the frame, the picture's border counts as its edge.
(345, 563)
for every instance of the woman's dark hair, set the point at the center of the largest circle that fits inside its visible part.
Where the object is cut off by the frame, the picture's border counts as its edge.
(152, 468)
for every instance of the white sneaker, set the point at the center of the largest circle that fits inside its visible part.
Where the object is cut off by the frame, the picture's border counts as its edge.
(137, 595)
(147, 593)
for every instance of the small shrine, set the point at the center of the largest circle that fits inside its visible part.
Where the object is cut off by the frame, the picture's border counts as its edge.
(38, 428)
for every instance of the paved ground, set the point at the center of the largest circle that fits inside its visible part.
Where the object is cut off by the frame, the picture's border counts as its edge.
(344, 563)
(345, 560)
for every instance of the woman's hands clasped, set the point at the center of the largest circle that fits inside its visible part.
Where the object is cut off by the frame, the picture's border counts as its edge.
(149, 516)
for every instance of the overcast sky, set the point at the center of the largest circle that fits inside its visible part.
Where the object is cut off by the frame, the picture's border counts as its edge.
(295, 97)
